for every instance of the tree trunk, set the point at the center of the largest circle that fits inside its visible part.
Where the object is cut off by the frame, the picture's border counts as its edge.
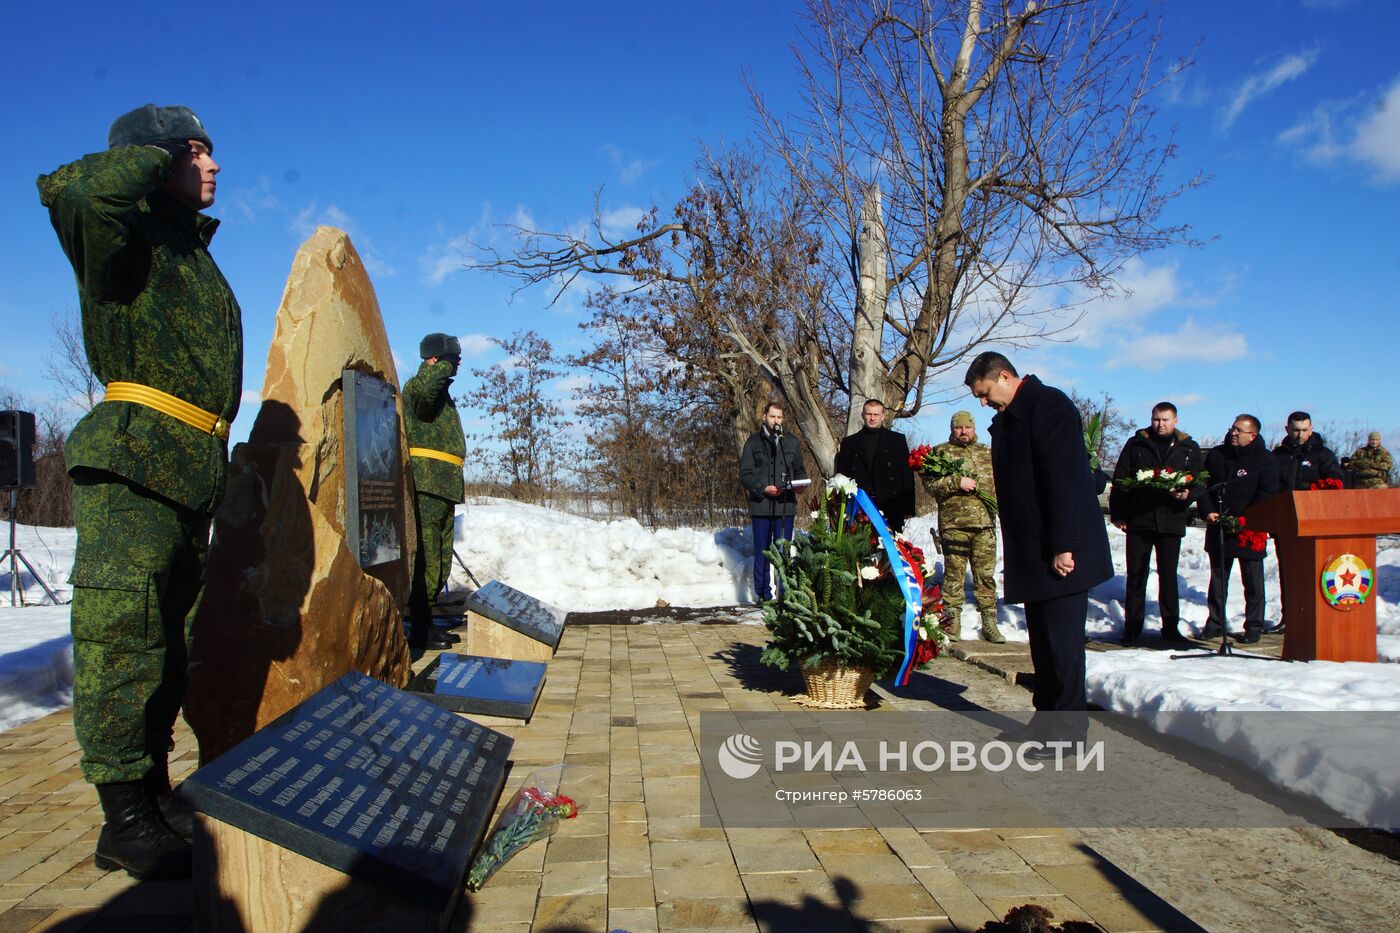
(871, 269)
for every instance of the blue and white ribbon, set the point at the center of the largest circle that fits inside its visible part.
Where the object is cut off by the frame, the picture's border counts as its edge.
(899, 565)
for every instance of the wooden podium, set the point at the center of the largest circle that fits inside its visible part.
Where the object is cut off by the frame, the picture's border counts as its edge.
(1332, 618)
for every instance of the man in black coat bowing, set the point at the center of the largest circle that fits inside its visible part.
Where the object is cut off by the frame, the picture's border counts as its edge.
(1054, 543)
(878, 460)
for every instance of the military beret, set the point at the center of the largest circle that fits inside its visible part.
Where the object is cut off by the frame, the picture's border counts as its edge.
(152, 124)
(962, 419)
(1374, 436)
(439, 345)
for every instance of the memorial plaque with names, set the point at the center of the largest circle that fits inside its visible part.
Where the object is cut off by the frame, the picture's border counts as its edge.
(485, 686)
(519, 611)
(370, 780)
(374, 522)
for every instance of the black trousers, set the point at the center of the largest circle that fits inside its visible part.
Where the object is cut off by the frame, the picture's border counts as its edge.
(1056, 628)
(1141, 546)
(1252, 572)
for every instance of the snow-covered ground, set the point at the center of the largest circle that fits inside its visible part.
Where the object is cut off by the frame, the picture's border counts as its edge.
(582, 564)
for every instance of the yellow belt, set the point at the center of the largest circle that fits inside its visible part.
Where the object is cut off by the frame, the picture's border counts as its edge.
(167, 404)
(435, 455)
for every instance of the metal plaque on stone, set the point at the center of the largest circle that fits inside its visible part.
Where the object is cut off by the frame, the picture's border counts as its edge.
(519, 611)
(374, 518)
(373, 781)
(485, 686)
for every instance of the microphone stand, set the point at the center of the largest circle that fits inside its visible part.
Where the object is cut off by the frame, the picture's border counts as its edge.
(1225, 648)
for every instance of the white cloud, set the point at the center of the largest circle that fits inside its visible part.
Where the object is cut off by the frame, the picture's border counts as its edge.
(1190, 398)
(250, 398)
(628, 170)
(1377, 141)
(1191, 343)
(1142, 290)
(306, 220)
(1356, 130)
(443, 259)
(248, 203)
(620, 223)
(476, 344)
(1288, 68)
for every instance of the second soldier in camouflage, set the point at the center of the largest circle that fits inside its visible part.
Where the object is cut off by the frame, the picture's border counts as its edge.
(966, 527)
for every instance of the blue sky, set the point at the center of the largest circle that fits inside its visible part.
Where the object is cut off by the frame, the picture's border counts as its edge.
(417, 125)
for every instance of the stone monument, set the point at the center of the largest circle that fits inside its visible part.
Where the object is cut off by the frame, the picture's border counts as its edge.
(288, 608)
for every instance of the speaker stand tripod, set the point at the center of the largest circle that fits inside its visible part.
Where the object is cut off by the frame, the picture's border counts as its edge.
(16, 557)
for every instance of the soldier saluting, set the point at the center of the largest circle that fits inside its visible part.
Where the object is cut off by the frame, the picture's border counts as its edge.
(163, 333)
(436, 449)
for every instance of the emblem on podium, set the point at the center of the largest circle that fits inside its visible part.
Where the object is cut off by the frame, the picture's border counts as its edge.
(1346, 581)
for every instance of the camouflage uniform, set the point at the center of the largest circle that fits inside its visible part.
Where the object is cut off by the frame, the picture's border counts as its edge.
(431, 421)
(156, 311)
(1371, 467)
(967, 533)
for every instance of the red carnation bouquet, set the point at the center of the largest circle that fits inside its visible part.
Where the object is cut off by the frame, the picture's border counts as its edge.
(1251, 540)
(924, 460)
(1327, 484)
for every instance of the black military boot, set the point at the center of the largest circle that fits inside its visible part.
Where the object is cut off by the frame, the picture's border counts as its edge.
(135, 837)
(176, 813)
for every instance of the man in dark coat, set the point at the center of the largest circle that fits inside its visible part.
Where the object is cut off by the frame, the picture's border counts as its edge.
(1054, 542)
(1242, 473)
(878, 460)
(1303, 457)
(1154, 520)
(163, 333)
(770, 462)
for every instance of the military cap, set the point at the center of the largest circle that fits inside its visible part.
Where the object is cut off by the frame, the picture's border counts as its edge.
(439, 345)
(962, 419)
(151, 124)
(1373, 436)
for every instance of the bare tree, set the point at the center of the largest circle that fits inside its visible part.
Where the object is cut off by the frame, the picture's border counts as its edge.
(962, 173)
(526, 424)
(1013, 157)
(67, 364)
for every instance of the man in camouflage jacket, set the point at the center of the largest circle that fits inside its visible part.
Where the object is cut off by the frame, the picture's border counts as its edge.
(966, 529)
(163, 333)
(1372, 464)
(436, 450)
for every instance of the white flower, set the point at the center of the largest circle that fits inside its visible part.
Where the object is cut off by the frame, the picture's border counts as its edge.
(923, 633)
(928, 564)
(815, 515)
(842, 484)
(869, 573)
(1144, 474)
(899, 536)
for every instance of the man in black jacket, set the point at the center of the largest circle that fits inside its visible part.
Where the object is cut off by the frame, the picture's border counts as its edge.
(1054, 543)
(1242, 473)
(878, 460)
(1154, 520)
(770, 462)
(1303, 457)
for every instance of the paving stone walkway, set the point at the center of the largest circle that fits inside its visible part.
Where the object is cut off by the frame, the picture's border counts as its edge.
(621, 710)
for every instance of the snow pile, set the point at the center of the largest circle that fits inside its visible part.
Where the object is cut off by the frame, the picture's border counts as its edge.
(36, 648)
(582, 564)
(1326, 747)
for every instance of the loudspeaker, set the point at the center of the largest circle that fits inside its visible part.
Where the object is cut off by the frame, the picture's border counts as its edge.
(16, 449)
